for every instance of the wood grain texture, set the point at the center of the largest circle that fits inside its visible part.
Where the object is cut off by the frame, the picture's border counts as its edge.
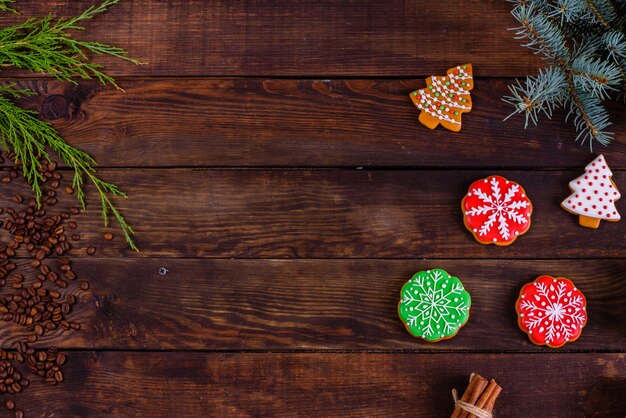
(296, 123)
(314, 305)
(333, 214)
(123, 384)
(305, 37)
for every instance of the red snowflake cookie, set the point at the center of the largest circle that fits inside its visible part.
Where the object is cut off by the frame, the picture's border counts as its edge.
(552, 311)
(496, 210)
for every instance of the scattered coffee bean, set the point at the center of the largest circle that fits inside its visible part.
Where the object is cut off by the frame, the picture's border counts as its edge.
(39, 232)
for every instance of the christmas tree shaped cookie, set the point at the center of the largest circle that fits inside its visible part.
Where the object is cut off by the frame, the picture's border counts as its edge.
(434, 305)
(445, 98)
(593, 195)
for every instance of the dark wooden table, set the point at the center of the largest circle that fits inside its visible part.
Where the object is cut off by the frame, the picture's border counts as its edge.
(278, 172)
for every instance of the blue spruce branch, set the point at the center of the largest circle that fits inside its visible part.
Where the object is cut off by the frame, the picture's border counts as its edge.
(584, 43)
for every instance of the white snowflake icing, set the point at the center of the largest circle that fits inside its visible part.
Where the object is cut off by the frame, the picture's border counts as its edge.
(440, 307)
(501, 208)
(553, 312)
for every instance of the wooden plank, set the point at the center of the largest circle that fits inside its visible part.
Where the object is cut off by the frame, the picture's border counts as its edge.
(313, 123)
(307, 37)
(312, 304)
(333, 214)
(124, 384)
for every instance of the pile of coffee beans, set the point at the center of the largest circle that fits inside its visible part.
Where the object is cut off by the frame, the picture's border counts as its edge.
(40, 295)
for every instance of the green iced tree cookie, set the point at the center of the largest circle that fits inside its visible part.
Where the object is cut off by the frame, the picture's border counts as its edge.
(434, 305)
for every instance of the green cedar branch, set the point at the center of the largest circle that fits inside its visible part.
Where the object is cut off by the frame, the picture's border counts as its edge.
(46, 46)
(27, 136)
(4, 7)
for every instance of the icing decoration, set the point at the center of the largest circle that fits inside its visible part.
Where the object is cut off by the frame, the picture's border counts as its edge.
(434, 305)
(445, 98)
(552, 311)
(496, 210)
(593, 195)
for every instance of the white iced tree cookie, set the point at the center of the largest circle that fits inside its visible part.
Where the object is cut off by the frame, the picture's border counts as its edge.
(593, 195)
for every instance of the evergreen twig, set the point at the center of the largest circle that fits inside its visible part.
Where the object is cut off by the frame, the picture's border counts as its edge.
(29, 136)
(46, 45)
(4, 6)
(585, 46)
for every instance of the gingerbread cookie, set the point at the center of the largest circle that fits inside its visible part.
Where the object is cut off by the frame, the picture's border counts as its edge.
(496, 210)
(552, 311)
(593, 195)
(445, 98)
(434, 305)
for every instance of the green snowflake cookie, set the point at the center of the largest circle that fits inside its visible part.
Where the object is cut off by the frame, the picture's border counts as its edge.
(434, 305)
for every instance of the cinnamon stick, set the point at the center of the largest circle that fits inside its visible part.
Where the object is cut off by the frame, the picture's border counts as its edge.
(492, 399)
(478, 389)
(474, 377)
(488, 398)
(480, 393)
